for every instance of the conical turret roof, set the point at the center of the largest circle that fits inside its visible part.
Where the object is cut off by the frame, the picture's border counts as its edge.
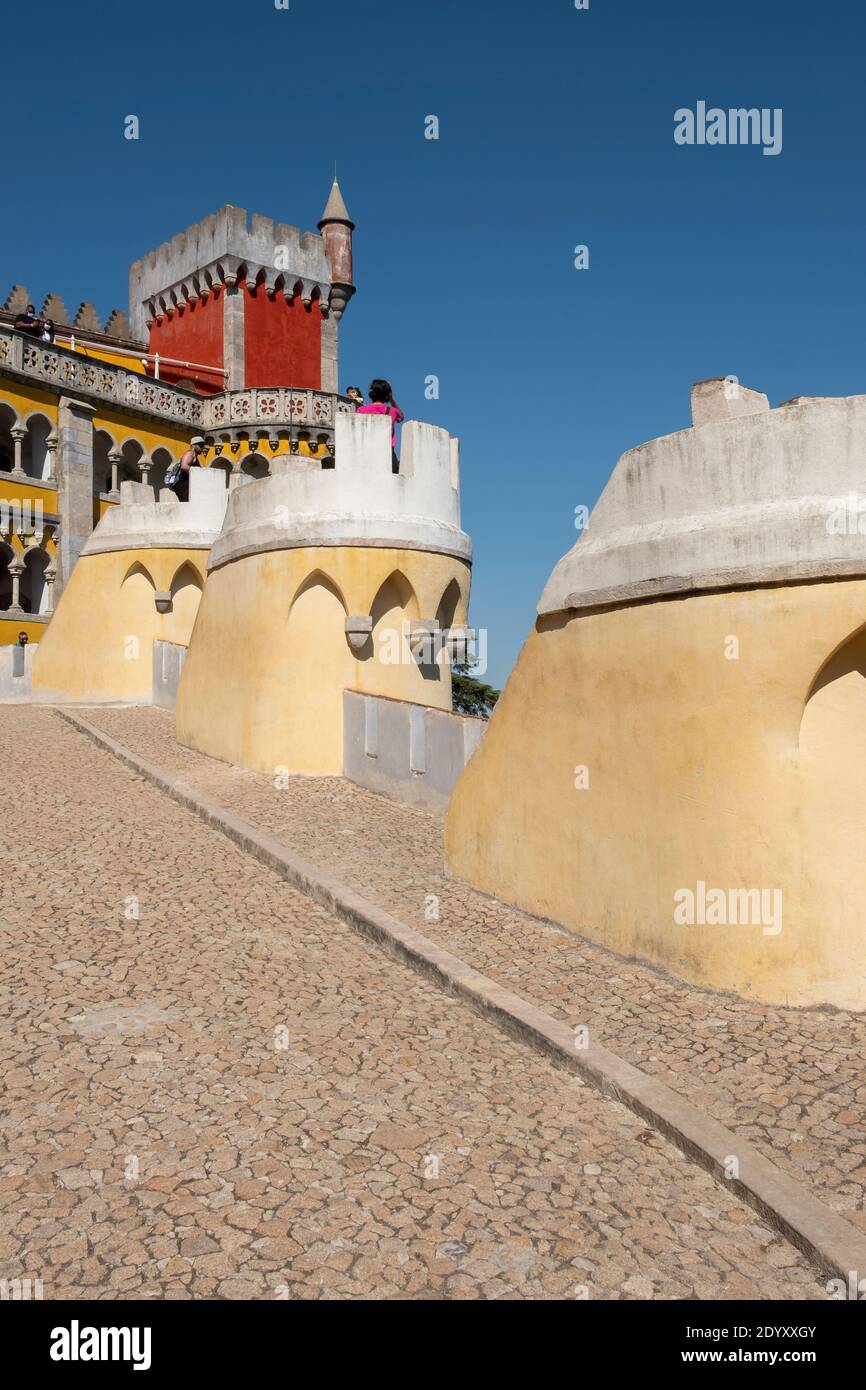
(335, 209)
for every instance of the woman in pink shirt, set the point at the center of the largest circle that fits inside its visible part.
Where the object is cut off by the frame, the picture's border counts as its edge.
(382, 403)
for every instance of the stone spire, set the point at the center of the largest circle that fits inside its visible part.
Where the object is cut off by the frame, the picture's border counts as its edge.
(337, 227)
(336, 210)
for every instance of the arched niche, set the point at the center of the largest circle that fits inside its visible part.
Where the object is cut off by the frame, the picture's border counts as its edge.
(395, 601)
(319, 666)
(833, 726)
(186, 592)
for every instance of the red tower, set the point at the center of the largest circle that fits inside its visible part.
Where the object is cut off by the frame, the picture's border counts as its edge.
(239, 301)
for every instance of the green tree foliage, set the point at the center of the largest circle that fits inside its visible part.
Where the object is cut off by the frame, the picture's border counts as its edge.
(471, 696)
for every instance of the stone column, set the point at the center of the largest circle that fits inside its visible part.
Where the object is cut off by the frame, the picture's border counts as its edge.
(75, 481)
(145, 463)
(51, 447)
(115, 458)
(50, 576)
(19, 434)
(233, 334)
(16, 569)
(330, 349)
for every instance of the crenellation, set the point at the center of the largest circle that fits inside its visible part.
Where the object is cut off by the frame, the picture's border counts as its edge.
(226, 239)
(17, 299)
(359, 501)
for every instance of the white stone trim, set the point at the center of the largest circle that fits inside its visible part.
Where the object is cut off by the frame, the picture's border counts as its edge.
(739, 502)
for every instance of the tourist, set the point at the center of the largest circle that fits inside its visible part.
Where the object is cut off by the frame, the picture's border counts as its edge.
(23, 639)
(28, 322)
(177, 477)
(47, 334)
(356, 395)
(382, 403)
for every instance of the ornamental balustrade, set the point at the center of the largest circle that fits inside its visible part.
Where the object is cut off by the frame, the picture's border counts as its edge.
(272, 410)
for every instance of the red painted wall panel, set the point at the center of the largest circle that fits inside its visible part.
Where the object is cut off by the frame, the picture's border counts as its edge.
(194, 334)
(282, 341)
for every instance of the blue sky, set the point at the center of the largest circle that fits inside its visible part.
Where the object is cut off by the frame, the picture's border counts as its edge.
(556, 128)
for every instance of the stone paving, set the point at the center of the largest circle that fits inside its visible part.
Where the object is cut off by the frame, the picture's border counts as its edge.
(213, 1088)
(793, 1081)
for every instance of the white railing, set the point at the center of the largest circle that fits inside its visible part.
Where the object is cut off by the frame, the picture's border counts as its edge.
(81, 345)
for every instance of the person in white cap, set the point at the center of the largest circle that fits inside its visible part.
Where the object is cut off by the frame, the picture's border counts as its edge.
(180, 486)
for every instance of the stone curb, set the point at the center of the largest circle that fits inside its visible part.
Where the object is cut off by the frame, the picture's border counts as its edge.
(821, 1234)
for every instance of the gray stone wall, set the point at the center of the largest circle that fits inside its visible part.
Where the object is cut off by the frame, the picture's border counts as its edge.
(168, 659)
(74, 482)
(405, 751)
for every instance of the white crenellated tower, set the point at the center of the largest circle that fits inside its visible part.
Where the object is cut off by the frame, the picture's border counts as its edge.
(330, 574)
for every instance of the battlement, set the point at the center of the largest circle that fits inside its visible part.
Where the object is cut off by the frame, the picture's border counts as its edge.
(748, 496)
(358, 501)
(217, 250)
(139, 522)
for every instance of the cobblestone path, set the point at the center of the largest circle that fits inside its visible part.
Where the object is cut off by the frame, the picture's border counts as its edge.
(793, 1081)
(212, 1088)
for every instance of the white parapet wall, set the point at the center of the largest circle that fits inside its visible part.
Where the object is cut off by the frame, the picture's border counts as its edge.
(359, 501)
(16, 666)
(404, 751)
(764, 497)
(141, 522)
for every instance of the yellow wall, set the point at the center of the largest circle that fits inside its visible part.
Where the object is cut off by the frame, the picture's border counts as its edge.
(98, 646)
(268, 662)
(20, 543)
(29, 400)
(700, 767)
(130, 363)
(10, 628)
(23, 491)
(123, 427)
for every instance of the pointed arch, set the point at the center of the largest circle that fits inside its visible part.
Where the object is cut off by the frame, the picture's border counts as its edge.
(137, 570)
(394, 593)
(318, 577)
(318, 666)
(844, 658)
(448, 604)
(184, 575)
(187, 586)
(835, 710)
